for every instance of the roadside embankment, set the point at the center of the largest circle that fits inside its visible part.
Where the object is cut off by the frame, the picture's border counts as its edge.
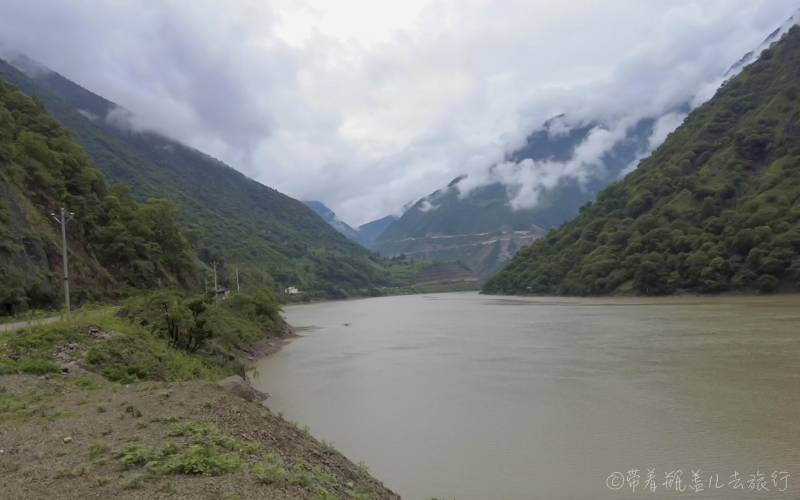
(110, 405)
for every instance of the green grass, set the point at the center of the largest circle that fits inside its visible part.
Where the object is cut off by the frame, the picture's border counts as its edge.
(271, 470)
(19, 407)
(134, 352)
(201, 433)
(206, 452)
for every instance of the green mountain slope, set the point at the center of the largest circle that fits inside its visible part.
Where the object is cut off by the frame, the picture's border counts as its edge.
(227, 217)
(716, 207)
(115, 243)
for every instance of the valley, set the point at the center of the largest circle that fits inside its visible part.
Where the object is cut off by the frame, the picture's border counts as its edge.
(351, 252)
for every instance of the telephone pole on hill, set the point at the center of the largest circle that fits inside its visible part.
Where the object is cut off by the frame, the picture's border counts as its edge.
(62, 218)
(238, 289)
(215, 279)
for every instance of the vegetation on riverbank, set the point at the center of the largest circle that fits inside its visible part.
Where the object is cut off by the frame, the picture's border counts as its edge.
(715, 208)
(161, 336)
(122, 402)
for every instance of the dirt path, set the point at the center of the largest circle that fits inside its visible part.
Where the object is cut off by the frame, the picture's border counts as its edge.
(19, 325)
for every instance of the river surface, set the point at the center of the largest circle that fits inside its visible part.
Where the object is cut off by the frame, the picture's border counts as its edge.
(467, 396)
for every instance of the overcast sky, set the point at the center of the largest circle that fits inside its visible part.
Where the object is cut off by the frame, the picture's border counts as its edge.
(367, 104)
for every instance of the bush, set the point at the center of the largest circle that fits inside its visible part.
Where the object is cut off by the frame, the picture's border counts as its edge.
(271, 470)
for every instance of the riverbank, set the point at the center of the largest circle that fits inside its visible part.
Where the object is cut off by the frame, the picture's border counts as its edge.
(99, 407)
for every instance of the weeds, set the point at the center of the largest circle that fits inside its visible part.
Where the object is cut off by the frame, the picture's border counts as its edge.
(207, 434)
(96, 450)
(271, 470)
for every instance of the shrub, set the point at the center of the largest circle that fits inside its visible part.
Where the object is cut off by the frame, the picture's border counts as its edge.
(271, 470)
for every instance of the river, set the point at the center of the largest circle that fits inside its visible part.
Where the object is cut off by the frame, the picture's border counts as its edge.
(466, 396)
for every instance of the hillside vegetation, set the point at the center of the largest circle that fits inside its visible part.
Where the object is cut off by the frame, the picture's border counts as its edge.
(715, 208)
(116, 244)
(126, 404)
(228, 218)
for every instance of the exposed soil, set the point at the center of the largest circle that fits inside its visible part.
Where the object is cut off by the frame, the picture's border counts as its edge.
(61, 437)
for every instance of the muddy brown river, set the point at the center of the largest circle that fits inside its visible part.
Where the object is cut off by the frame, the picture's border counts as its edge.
(467, 396)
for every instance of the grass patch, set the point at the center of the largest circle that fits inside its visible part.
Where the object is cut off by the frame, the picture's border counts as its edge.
(97, 450)
(207, 434)
(271, 470)
(70, 473)
(202, 459)
(37, 366)
(195, 459)
(207, 452)
(13, 407)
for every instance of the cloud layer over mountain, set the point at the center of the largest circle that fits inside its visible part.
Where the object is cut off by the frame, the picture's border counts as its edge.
(366, 105)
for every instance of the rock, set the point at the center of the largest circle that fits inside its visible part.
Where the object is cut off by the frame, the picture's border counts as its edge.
(135, 413)
(242, 388)
(67, 440)
(67, 353)
(98, 333)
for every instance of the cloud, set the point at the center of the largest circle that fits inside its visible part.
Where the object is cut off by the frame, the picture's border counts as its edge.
(367, 105)
(426, 206)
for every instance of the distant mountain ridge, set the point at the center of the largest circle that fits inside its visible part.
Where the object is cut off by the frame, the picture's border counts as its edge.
(481, 228)
(331, 218)
(370, 232)
(366, 234)
(487, 210)
(228, 218)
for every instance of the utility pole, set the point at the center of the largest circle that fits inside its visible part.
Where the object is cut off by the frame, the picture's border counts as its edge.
(216, 288)
(62, 218)
(238, 289)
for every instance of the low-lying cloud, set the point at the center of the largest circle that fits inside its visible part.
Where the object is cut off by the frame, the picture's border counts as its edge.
(367, 105)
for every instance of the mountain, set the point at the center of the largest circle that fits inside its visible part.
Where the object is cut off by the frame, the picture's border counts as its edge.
(330, 217)
(481, 228)
(115, 244)
(369, 233)
(470, 218)
(773, 37)
(366, 234)
(228, 218)
(716, 207)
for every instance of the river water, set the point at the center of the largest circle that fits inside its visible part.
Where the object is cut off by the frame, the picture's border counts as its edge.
(467, 396)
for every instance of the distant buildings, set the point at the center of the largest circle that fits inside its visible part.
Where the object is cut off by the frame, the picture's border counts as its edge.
(292, 290)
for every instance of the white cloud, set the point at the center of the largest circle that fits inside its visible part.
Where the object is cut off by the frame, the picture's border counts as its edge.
(367, 105)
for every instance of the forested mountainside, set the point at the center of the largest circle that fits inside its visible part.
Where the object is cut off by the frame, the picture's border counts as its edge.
(115, 243)
(715, 208)
(228, 218)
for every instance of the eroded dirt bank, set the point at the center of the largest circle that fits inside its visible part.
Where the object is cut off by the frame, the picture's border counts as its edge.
(76, 435)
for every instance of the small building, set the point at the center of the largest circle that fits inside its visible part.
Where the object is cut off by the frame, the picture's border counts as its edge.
(292, 290)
